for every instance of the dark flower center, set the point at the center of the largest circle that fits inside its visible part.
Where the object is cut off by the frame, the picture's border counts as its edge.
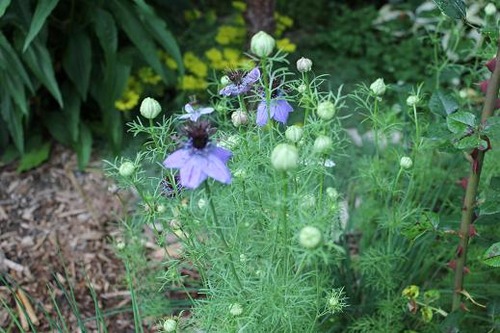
(236, 76)
(199, 133)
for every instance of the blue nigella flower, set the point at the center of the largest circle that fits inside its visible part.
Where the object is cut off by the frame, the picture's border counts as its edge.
(193, 113)
(240, 82)
(278, 109)
(200, 158)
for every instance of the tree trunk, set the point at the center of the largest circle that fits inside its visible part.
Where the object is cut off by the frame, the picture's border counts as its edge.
(259, 15)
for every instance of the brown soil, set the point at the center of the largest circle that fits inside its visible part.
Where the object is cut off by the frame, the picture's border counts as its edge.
(57, 226)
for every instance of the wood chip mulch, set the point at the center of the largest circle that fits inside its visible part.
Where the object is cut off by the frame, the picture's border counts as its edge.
(56, 229)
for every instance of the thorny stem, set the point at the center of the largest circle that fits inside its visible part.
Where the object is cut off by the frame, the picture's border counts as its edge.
(472, 187)
(221, 235)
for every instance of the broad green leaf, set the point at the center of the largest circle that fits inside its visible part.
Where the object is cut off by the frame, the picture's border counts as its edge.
(105, 30)
(84, 146)
(461, 122)
(34, 157)
(452, 8)
(442, 104)
(469, 142)
(13, 64)
(134, 29)
(77, 62)
(492, 255)
(491, 198)
(4, 4)
(55, 122)
(38, 59)
(13, 118)
(159, 30)
(42, 11)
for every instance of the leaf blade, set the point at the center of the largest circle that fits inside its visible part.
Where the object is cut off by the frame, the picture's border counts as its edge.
(42, 11)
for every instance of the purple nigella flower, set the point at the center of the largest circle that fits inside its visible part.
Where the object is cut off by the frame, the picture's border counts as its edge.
(278, 109)
(193, 113)
(240, 82)
(200, 158)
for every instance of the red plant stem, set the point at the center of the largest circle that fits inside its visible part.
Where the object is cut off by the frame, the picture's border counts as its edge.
(472, 188)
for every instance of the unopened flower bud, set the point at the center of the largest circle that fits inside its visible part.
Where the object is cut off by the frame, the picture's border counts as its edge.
(239, 118)
(150, 108)
(378, 87)
(235, 309)
(161, 208)
(332, 193)
(411, 292)
(309, 237)
(170, 325)
(120, 244)
(326, 110)
(490, 9)
(294, 133)
(284, 157)
(304, 65)
(412, 100)
(405, 162)
(426, 314)
(322, 144)
(262, 44)
(302, 88)
(126, 169)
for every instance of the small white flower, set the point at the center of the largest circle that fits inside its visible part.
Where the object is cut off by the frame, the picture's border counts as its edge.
(120, 244)
(310, 237)
(412, 100)
(294, 133)
(322, 144)
(243, 258)
(161, 209)
(284, 157)
(326, 110)
(126, 169)
(235, 309)
(490, 9)
(304, 65)
(202, 203)
(262, 44)
(405, 162)
(150, 108)
(193, 114)
(170, 325)
(239, 118)
(378, 87)
(332, 193)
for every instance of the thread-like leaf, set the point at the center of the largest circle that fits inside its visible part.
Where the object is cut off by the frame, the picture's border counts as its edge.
(42, 11)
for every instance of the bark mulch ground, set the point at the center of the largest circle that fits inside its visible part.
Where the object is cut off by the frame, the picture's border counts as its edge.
(56, 230)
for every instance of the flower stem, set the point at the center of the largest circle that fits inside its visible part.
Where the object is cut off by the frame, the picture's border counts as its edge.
(472, 188)
(218, 228)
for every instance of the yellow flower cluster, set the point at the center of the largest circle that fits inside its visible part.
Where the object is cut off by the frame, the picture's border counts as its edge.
(228, 34)
(239, 5)
(148, 76)
(197, 70)
(286, 45)
(227, 58)
(131, 96)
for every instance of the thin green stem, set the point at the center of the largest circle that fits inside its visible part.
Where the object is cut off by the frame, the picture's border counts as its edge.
(219, 231)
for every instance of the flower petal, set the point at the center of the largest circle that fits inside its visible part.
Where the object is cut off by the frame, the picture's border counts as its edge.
(252, 77)
(177, 159)
(217, 169)
(188, 108)
(223, 154)
(262, 113)
(229, 90)
(205, 110)
(280, 110)
(192, 174)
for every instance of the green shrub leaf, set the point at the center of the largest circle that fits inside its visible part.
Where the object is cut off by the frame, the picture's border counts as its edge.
(12, 64)
(105, 30)
(42, 11)
(492, 255)
(34, 157)
(452, 8)
(461, 122)
(38, 59)
(442, 104)
(13, 117)
(4, 4)
(134, 29)
(77, 62)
